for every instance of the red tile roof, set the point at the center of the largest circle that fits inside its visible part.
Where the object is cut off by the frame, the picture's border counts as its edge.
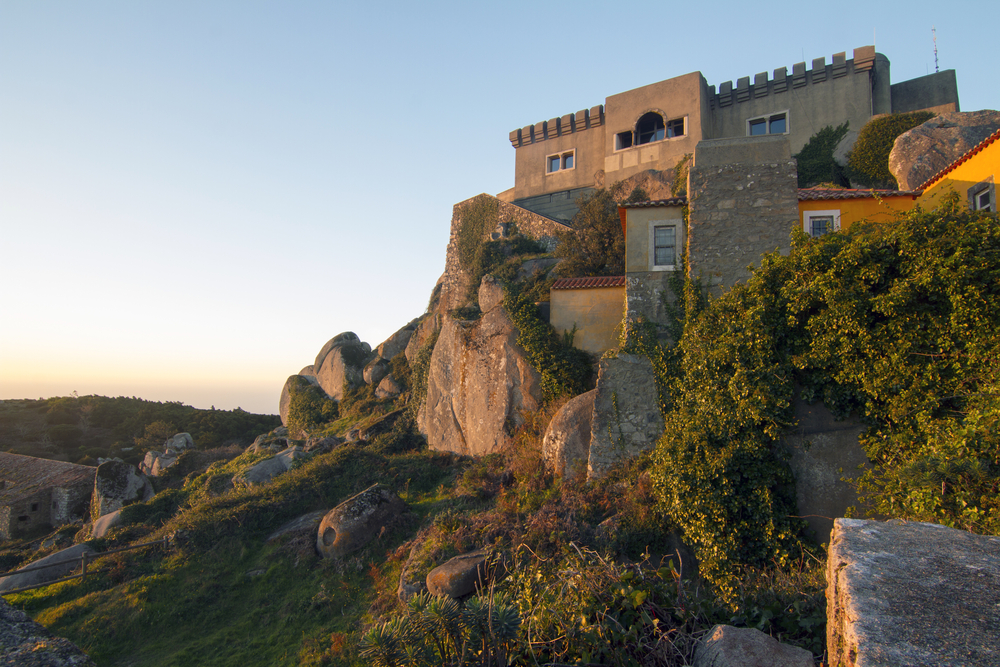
(968, 154)
(673, 201)
(813, 194)
(589, 283)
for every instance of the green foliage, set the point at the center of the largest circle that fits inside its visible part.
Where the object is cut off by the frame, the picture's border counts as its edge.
(437, 631)
(565, 370)
(478, 217)
(309, 407)
(868, 162)
(894, 321)
(419, 369)
(400, 369)
(815, 161)
(678, 187)
(596, 244)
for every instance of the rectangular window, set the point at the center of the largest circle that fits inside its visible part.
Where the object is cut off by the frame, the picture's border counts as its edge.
(34, 507)
(664, 246)
(560, 162)
(623, 140)
(776, 123)
(818, 223)
(675, 128)
(982, 196)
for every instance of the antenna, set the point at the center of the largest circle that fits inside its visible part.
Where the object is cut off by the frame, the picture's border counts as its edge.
(934, 33)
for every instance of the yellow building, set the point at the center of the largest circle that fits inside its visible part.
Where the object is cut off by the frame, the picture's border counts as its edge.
(591, 306)
(972, 176)
(828, 210)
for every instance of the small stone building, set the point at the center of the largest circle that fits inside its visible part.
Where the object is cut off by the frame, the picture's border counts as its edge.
(40, 492)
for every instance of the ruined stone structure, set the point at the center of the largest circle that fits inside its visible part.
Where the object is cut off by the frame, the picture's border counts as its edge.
(40, 492)
(654, 126)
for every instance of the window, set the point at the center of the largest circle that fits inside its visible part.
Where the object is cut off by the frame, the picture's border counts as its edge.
(664, 245)
(623, 140)
(675, 128)
(773, 124)
(650, 128)
(560, 162)
(983, 197)
(818, 223)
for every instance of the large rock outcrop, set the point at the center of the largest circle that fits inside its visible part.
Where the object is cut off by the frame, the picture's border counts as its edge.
(627, 419)
(911, 594)
(155, 462)
(304, 378)
(919, 154)
(566, 444)
(341, 363)
(60, 564)
(24, 643)
(357, 521)
(116, 485)
(479, 381)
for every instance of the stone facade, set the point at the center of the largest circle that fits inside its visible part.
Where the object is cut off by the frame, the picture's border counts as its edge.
(743, 203)
(40, 492)
(615, 140)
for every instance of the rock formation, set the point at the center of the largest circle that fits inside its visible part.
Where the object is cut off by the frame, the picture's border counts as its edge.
(62, 563)
(726, 646)
(357, 521)
(268, 469)
(155, 463)
(566, 445)
(341, 364)
(479, 381)
(24, 643)
(911, 594)
(116, 485)
(920, 153)
(460, 576)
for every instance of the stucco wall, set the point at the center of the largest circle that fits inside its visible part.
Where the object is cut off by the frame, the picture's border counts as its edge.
(647, 289)
(743, 203)
(826, 94)
(937, 92)
(881, 209)
(596, 312)
(582, 132)
(982, 166)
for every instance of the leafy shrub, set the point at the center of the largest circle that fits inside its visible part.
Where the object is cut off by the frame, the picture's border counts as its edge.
(815, 161)
(309, 406)
(596, 244)
(418, 372)
(868, 162)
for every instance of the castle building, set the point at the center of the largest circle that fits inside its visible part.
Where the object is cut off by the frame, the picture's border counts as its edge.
(654, 126)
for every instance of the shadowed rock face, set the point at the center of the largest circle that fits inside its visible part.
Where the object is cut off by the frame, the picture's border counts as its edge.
(479, 381)
(27, 644)
(566, 445)
(356, 521)
(920, 153)
(118, 484)
(912, 594)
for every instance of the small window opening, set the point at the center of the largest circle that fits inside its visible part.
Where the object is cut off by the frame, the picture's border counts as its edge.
(34, 507)
(650, 128)
(675, 128)
(776, 124)
(553, 163)
(560, 162)
(23, 517)
(820, 225)
(623, 140)
(567, 161)
(664, 246)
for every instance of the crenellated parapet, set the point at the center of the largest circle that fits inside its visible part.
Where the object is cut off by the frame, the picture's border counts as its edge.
(780, 80)
(558, 127)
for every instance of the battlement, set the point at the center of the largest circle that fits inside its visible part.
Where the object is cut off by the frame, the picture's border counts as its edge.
(863, 61)
(557, 127)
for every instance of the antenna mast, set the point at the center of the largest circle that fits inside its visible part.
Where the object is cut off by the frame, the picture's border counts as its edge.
(934, 33)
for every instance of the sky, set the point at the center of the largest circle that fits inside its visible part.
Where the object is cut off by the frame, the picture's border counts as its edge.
(196, 195)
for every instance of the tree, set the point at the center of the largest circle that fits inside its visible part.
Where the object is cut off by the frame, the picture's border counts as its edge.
(596, 246)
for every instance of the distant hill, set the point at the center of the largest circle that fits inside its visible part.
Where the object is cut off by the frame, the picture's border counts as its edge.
(82, 429)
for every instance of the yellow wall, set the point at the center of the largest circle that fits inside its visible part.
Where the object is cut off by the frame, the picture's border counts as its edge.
(595, 311)
(637, 234)
(852, 210)
(978, 168)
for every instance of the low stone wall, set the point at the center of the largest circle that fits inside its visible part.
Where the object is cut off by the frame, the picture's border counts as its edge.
(912, 594)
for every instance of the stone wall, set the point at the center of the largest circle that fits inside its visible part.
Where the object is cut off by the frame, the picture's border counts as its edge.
(743, 203)
(455, 281)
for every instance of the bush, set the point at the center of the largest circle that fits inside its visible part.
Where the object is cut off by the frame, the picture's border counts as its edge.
(309, 406)
(868, 162)
(596, 245)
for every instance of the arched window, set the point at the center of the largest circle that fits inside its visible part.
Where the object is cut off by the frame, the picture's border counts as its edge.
(650, 128)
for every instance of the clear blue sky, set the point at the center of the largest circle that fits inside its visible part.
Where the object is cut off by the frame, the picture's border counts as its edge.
(196, 195)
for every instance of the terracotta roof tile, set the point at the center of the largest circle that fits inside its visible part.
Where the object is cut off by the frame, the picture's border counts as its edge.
(813, 194)
(672, 201)
(968, 154)
(589, 283)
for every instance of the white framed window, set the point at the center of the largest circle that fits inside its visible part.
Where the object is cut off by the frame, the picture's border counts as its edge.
(983, 196)
(817, 223)
(775, 123)
(560, 161)
(664, 245)
(676, 127)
